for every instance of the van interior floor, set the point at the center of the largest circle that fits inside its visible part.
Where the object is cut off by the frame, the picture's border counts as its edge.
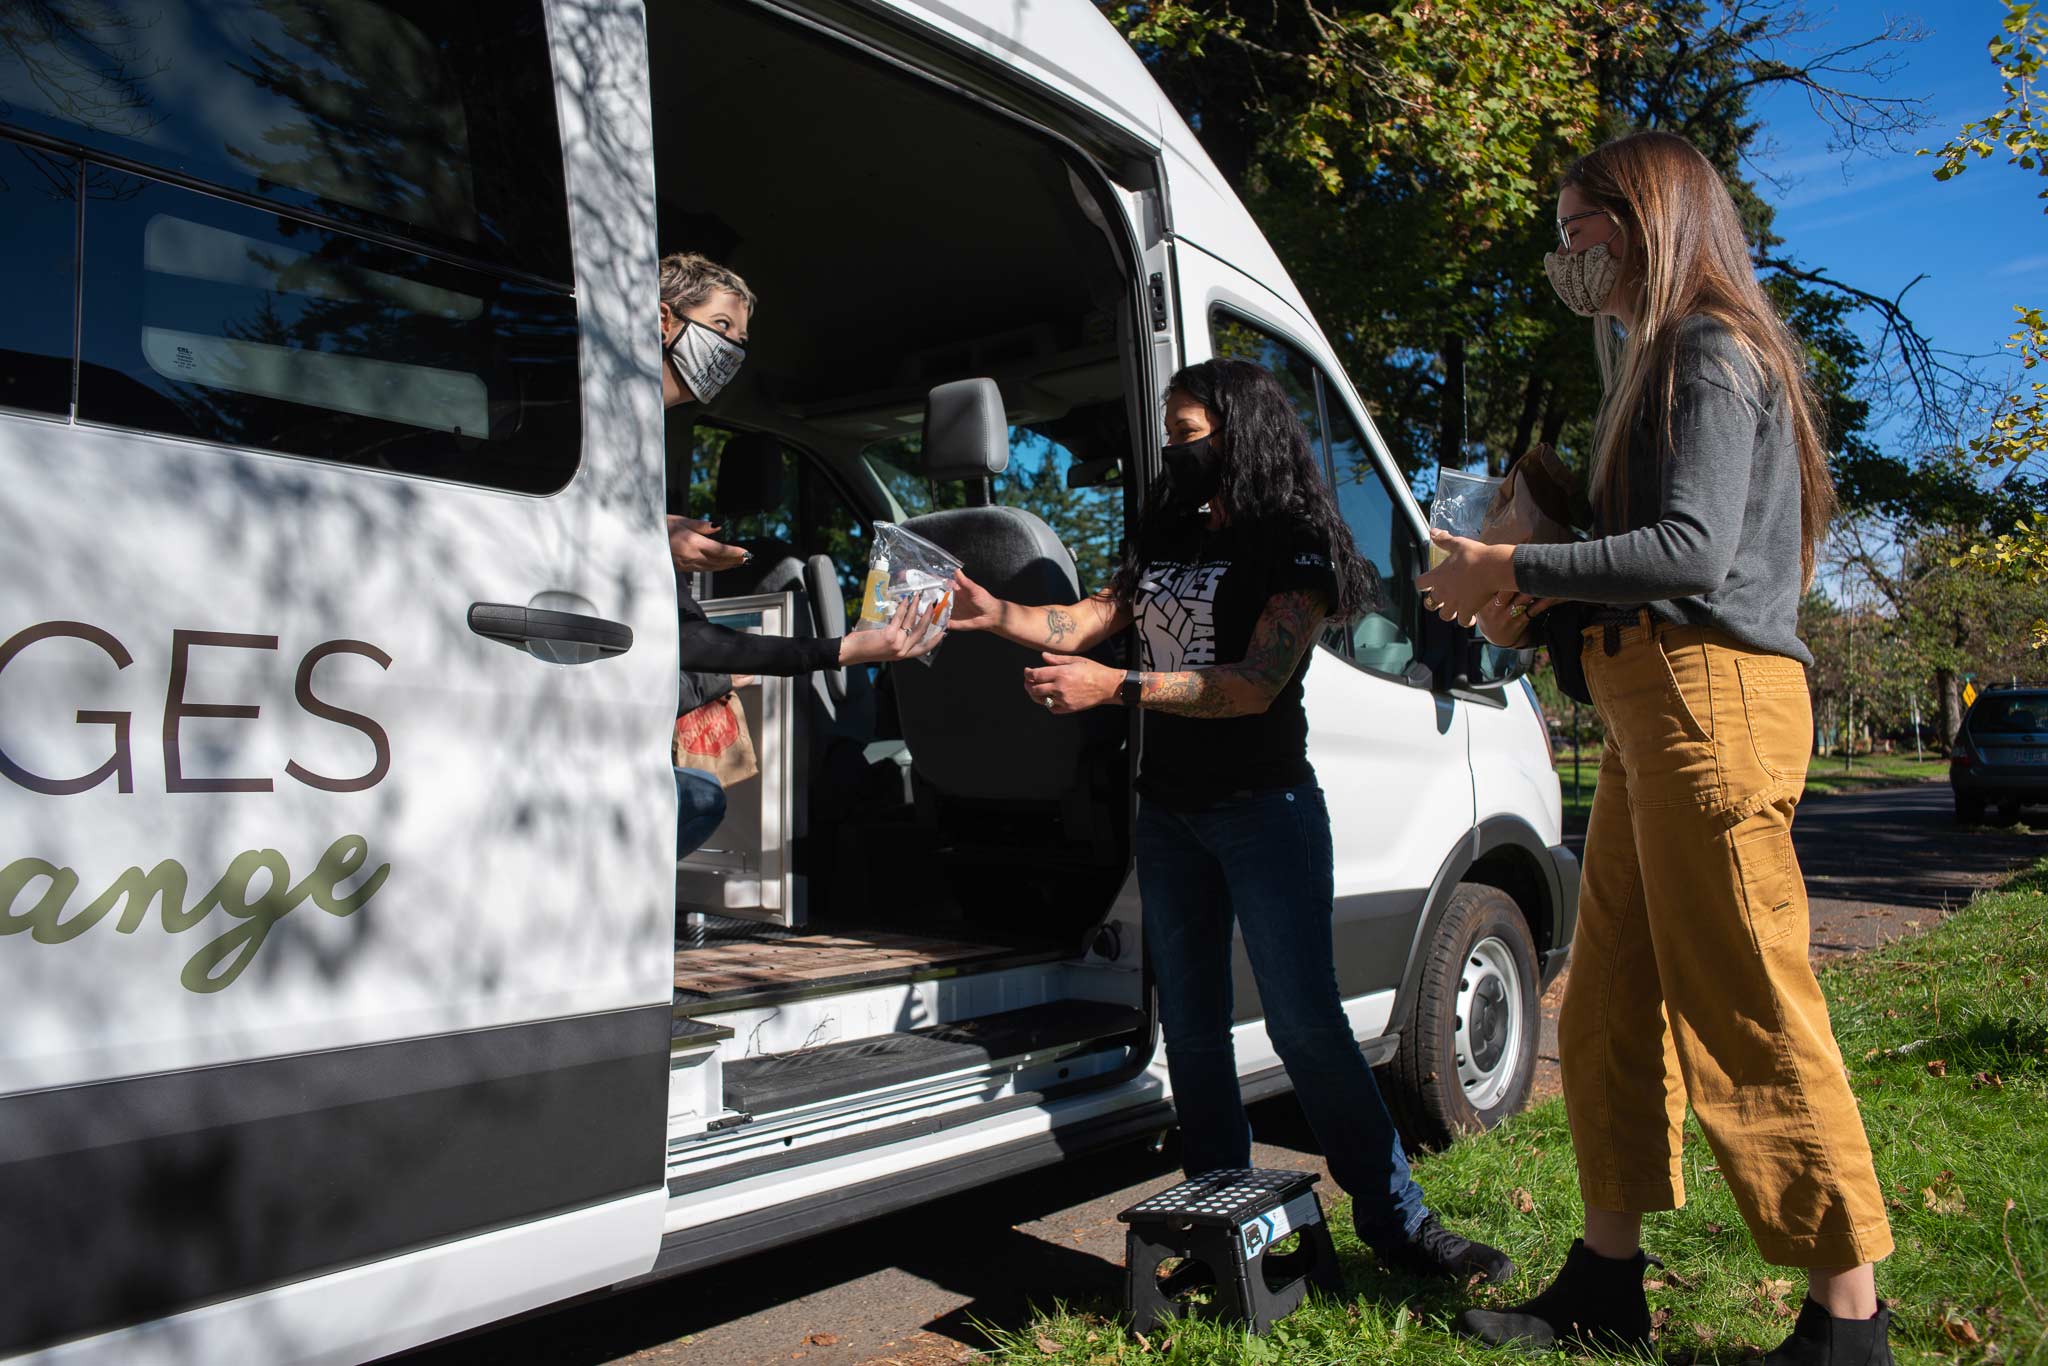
(721, 959)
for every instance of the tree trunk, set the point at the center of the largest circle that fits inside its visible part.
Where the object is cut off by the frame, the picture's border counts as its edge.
(1450, 437)
(1554, 415)
(1532, 408)
(1951, 690)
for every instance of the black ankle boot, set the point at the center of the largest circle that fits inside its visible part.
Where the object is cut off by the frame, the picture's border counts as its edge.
(1820, 1339)
(1433, 1250)
(1596, 1301)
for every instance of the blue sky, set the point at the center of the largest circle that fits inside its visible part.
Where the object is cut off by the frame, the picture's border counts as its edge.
(1878, 218)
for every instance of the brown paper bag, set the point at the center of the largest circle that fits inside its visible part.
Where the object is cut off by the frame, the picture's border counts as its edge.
(1532, 506)
(714, 738)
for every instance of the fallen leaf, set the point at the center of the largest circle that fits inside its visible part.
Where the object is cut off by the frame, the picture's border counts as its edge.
(1093, 1337)
(1946, 1200)
(1937, 1067)
(1144, 1343)
(1890, 1014)
(823, 1339)
(1872, 1053)
(1165, 1345)
(1049, 1347)
(1680, 1279)
(1524, 1201)
(1959, 1330)
(1653, 1285)
(1990, 1079)
(1713, 1228)
(1658, 1318)
(1702, 1332)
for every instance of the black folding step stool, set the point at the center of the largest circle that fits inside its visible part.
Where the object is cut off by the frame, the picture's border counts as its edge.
(1228, 1220)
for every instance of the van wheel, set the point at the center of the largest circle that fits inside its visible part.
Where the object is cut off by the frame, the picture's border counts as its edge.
(1468, 1057)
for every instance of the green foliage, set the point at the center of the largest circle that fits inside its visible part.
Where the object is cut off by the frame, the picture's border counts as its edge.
(2021, 127)
(2018, 433)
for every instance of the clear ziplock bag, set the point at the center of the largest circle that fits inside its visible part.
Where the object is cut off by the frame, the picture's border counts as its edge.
(906, 569)
(1460, 506)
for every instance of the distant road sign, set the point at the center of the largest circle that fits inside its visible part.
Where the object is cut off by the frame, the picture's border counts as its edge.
(1969, 693)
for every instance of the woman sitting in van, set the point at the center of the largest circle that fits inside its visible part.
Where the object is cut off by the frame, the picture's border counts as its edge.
(705, 309)
(1239, 562)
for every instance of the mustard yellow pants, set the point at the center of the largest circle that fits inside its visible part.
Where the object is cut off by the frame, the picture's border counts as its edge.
(1689, 977)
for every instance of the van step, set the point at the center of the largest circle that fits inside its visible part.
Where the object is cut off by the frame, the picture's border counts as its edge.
(784, 1081)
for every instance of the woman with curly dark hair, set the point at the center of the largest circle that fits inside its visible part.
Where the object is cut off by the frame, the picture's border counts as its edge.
(1239, 561)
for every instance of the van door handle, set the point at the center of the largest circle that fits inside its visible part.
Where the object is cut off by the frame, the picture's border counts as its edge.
(523, 626)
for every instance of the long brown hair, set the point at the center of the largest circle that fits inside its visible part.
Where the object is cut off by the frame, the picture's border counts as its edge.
(1688, 256)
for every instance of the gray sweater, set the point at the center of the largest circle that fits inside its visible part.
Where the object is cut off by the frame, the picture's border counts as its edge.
(1712, 536)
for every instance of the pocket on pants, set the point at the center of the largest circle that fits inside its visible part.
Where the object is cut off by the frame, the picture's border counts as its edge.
(1773, 892)
(1689, 672)
(1778, 711)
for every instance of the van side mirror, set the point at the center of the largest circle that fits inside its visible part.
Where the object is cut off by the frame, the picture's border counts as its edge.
(1482, 664)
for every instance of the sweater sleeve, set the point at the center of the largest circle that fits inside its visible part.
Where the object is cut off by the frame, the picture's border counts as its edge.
(711, 648)
(1688, 550)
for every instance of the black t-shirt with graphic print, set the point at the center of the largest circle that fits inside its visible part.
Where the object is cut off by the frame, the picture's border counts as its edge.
(1198, 601)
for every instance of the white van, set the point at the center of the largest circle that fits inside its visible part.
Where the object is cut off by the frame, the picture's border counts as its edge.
(355, 996)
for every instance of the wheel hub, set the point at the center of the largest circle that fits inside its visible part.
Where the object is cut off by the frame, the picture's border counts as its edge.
(1489, 1023)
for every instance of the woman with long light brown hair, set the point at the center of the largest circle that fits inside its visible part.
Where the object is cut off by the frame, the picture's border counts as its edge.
(1689, 977)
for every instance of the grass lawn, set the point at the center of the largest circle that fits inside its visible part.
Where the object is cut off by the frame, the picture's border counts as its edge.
(1823, 776)
(1946, 1038)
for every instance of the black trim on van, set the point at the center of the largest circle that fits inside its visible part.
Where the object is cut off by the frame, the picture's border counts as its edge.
(128, 1200)
(1543, 879)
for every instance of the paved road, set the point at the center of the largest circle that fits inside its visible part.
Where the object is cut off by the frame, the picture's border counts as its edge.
(910, 1289)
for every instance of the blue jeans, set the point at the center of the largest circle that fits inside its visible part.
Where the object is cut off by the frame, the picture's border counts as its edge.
(700, 807)
(1264, 858)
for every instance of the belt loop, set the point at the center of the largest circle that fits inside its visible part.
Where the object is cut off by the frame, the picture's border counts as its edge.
(1610, 638)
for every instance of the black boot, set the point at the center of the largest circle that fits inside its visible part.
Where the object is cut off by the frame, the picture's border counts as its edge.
(1819, 1339)
(1596, 1301)
(1433, 1250)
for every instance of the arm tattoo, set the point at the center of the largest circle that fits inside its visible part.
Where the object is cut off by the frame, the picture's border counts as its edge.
(1059, 624)
(1285, 631)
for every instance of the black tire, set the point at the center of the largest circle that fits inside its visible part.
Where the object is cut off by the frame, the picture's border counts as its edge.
(1482, 939)
(1969, 810)
(2008, 813)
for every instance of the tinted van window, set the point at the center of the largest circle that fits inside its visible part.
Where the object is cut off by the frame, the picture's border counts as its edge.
(38, 280)
(208, 319)
(433, 121)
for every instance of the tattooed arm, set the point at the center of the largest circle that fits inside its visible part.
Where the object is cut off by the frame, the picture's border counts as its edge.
(1069, 628)
(1286, 629)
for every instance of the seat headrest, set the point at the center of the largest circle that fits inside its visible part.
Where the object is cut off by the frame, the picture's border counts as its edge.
(965, 433)
(749, 476)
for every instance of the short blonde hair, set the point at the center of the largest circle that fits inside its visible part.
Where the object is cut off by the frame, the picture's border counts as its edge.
(688, 279)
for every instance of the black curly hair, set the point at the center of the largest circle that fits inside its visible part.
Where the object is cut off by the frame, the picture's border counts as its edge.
(1270, 483)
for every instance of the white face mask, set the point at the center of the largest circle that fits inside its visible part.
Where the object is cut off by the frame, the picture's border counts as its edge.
(1582, 279)
(705, 361)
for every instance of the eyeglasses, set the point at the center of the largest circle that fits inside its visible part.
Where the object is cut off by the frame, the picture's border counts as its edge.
(1564, 225)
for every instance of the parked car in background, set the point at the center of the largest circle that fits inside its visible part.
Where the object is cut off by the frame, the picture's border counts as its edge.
(2001, 754)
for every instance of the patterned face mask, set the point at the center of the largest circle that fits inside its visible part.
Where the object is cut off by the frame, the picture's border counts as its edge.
(704, 359)
(1582, 279)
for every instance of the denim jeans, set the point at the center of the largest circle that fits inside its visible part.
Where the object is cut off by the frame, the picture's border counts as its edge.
(1264, 858)
(700, 807)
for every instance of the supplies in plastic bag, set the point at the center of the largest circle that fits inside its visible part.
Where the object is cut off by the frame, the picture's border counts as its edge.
(1459, 506)
(904, 569)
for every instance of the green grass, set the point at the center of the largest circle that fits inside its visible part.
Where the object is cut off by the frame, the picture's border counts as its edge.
(1824, 776)
(1969, 1279)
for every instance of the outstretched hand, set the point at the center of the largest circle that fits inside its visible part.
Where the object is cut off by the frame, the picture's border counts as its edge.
(1069, 683)
(906, 635)
(691, 546)
(974, 607)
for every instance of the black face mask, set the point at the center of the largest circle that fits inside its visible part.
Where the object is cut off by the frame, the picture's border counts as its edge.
(1193, 471)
